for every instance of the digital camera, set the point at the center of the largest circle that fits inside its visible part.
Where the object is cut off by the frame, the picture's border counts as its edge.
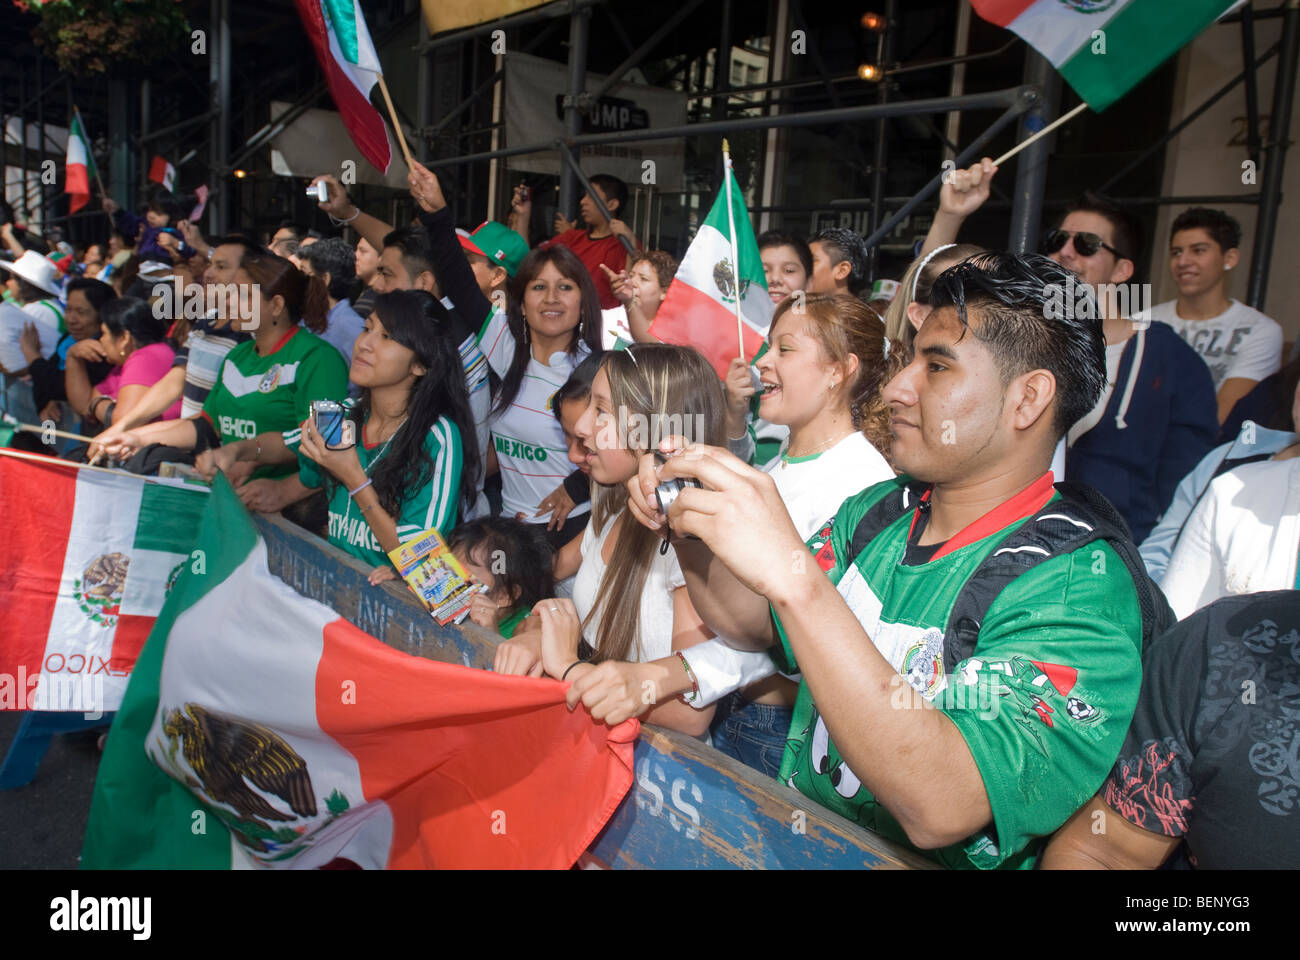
(328, 417)
(319, 190)
(668, 491)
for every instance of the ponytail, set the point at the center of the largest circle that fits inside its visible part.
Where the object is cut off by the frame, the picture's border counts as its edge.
(315, 305)
(305, 298)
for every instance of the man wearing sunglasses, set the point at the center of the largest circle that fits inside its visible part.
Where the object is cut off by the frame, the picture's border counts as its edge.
(1156, 416)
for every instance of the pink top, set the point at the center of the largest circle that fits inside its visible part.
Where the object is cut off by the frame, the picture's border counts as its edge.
(144, 367)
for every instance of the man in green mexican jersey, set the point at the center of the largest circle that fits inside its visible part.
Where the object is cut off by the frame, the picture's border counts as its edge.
(967, 737)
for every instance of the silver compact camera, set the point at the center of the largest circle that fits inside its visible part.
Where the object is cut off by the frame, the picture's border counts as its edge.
(320, 190)
(668, 491)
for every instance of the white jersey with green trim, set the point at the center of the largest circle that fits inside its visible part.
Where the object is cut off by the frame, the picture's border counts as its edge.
(527, 437)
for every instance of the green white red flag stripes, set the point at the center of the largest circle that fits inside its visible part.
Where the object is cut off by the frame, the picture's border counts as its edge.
(302, 742)
(337, 30)
(699, 309)
(79, 165)
(164, 172)
(85, 565)
(1104, 48)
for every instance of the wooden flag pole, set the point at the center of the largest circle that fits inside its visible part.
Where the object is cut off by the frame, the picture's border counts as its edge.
(735, 250)
(1040, 134)
(33, 428)
(401, 137)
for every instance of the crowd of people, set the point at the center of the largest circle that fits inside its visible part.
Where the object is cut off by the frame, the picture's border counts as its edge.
(869, 583)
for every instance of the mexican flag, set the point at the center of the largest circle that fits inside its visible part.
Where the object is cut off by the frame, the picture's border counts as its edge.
(79, 164)
(1103, 48)
(260, 730)
(338, 31)
(699, 309)
(160, 171)
(88, 557)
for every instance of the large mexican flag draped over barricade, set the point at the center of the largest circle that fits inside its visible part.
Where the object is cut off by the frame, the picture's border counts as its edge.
(261, 730)
(1103, 48)
(699, 309)
(85, 564)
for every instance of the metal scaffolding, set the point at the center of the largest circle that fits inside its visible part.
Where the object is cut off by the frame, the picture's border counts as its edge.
(1032, 104)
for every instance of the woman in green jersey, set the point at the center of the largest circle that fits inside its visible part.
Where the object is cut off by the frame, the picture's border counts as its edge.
(409, 457)
(416, 456)
(266, 384)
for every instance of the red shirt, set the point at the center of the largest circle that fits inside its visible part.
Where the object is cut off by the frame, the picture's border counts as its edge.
(607, 250)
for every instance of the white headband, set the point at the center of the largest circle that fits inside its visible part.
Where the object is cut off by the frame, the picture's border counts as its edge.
(916, 279)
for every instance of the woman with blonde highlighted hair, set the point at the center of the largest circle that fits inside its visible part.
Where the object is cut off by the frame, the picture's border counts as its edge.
(911, 304)
(629, 596)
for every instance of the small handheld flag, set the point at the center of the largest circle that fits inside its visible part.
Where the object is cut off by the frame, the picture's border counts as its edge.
(720, 280)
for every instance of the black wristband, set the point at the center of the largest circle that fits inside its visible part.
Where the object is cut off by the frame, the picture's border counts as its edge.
(570, 667)
(578, 487)
(205, 435)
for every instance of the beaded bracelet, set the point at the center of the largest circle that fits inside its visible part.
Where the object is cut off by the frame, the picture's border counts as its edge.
(342, 223)
(695, 684)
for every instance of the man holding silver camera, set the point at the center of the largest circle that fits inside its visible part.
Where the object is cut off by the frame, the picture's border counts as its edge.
(969, 636)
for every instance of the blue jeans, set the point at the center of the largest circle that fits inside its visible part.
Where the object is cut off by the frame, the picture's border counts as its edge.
(753, 733)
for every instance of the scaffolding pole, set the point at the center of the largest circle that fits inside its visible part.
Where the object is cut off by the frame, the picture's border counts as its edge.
(1275, 165)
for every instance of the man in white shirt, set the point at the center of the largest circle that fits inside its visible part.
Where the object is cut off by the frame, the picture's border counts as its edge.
(1240, 345)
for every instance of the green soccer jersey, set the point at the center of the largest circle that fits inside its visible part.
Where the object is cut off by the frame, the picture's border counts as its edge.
(433, 505)
(273, 393)
(1044, 701)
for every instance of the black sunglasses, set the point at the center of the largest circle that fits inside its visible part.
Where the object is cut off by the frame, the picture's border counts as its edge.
(1085, 243)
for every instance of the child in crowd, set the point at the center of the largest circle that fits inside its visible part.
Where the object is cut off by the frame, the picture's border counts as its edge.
(640, 289)
(164, 209)
(569, 403)
(787, 263)
(513, 560)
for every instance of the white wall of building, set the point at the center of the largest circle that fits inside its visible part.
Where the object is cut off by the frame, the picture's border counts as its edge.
(1201, 161)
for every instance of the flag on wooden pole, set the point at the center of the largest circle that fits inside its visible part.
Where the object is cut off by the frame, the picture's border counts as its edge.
(1104, 48)
(338, 32)
(719, 292)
